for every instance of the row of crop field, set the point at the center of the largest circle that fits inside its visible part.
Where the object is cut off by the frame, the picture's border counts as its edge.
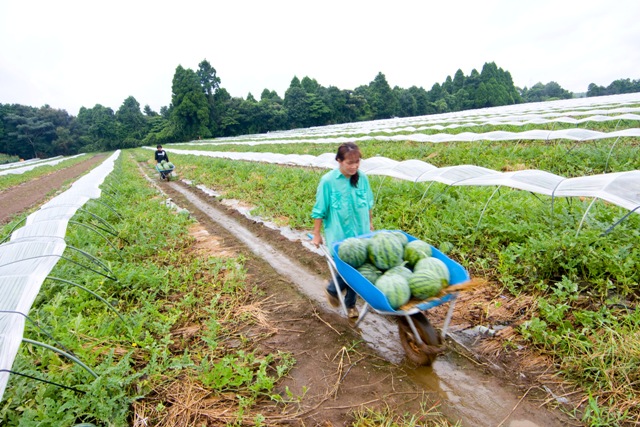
(18, 172)
(30, 254)
(583, 274)
(603, 113)
(585, 284)
(622, 188)
(22, 167)
(463, 213)
(573, 134)
(20, 163)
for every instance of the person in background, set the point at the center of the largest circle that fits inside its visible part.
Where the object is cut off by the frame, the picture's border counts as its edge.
(344, 203)
(161, 154)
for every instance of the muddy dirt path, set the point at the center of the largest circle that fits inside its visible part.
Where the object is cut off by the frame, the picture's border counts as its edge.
(466, 389)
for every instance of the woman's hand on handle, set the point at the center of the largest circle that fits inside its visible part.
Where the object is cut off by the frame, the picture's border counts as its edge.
(317, 237)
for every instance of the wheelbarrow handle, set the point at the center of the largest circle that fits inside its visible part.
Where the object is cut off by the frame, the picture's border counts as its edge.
(325, 250)
(333, 269)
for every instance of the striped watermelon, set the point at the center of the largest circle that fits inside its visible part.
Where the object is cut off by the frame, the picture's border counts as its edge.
(401, 237)
(370, 272)
(425, 284)
(415, 250)
(436, 265)
(395, 287)
(385, 250)
(401, 270)
(353, 251)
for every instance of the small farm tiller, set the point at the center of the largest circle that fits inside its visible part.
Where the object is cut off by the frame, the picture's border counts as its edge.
(419, 339)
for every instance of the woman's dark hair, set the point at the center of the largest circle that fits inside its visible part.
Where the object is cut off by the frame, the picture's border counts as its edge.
(343, 150)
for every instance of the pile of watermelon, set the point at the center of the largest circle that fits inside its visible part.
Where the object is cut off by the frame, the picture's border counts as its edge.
(400, 268)
(164, 165)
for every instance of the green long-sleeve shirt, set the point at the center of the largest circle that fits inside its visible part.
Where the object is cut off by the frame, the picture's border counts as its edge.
(344, 209)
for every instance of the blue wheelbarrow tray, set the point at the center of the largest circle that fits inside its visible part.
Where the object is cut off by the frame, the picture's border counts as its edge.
(378, 301)
(421, 342)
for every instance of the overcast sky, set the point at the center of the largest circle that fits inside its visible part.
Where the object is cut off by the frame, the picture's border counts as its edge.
(71, 54)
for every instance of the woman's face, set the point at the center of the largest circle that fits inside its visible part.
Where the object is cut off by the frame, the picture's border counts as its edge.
(349, 166)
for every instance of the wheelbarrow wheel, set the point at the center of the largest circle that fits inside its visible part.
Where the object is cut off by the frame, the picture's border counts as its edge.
(423, 353)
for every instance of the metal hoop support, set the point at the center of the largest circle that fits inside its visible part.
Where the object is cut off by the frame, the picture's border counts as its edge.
(64, 258)
(13, 229)
(101, 235)
(109, 306)
(34, 323)
(63, 353)
(41, 380)
(608, 230)
(107, 206)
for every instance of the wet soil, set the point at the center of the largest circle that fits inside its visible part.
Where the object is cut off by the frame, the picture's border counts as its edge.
(339, 368)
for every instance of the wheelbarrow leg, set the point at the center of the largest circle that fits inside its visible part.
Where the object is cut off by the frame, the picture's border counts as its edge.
(363, 312)
(447, 319)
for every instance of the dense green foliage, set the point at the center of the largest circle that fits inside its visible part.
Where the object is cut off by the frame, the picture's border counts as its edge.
(4, 158)
(616, 87)
(201, 108)
(548, 92)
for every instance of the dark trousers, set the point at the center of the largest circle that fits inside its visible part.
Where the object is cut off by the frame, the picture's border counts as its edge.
(350, 298)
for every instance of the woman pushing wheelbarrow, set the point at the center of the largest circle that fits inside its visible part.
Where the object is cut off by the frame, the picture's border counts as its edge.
(343, 205)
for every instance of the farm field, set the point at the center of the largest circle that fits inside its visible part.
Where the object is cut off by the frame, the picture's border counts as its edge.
(571, 261)
(11, 179)
(561, 296)
(29, 191)
(204, 301)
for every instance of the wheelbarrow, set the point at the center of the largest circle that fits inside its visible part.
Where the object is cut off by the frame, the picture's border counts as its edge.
(165, 169)
(419, 339)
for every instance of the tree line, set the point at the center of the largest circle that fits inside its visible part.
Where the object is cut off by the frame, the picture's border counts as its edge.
(201, 108)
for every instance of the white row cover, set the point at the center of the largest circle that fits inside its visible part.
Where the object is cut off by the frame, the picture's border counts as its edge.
(31, 253)
(22, 163)
(32, 165)
(278, 137)
(622, 188)
(537, 134)
(510, 121)
(605, 108)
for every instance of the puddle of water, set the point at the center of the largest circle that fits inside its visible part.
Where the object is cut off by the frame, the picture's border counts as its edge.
(472, 396)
